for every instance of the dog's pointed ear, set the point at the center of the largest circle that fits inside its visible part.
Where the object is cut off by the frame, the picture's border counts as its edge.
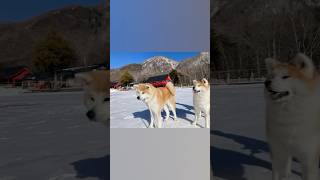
(305, 64)
(270, 63)
(148, 86)
(84, 78)
(194, 82)
(205, 81)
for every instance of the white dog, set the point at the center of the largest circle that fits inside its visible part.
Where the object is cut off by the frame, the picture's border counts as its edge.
(96, 97)
(293, 116)
(201, 101)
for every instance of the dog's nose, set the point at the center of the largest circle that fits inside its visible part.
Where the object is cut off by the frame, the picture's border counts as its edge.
(193, 87)
(91, 114)
(267, 83)
(138, 97)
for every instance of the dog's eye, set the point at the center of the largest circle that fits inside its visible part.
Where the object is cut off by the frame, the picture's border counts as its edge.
(106, 99)
(92, 99)
(285, 77)
(142, 93)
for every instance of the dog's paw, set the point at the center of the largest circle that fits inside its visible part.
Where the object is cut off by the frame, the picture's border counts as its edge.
(195, 126)
(194, 123)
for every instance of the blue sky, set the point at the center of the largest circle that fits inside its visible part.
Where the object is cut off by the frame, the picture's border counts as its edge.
(119, 59)
(18, 10)
(160, 25)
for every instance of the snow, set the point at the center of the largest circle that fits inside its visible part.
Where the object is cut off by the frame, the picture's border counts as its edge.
(9, 91)
(128, 112)
(47, 136)
(159, 61)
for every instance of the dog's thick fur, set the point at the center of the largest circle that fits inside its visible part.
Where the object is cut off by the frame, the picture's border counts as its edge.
(96, 96)
(201, 101)
(293, 116)
(157, 99)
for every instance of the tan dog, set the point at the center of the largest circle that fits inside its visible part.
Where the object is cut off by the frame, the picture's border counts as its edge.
(96, 96)
(156, 100)
(201, 101)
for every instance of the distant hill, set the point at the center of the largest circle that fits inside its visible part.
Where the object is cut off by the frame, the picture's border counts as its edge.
(85, 28)
(133, 69)
(197, 66)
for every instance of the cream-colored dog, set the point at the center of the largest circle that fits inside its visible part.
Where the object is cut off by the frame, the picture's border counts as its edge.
(201, 101)
(293, 116)
(96, 96)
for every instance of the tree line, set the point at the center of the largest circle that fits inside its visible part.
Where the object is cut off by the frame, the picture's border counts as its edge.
(241, 47)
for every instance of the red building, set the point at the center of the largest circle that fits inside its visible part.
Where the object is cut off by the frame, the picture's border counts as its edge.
(14, 74)
(159, 80)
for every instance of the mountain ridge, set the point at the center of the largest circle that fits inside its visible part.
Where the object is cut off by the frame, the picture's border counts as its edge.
(161, 64)
(84, 27)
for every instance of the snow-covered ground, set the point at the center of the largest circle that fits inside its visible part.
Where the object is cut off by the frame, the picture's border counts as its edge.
(9, 91)
(239, 150)
(128, 112)
(47, 136)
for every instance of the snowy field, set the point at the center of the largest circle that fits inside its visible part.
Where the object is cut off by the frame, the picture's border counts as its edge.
(239, 149)
(46, 136)
(128, 112)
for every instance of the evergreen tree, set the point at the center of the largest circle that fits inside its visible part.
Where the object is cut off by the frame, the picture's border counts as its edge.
(126, 78)
(53, 53)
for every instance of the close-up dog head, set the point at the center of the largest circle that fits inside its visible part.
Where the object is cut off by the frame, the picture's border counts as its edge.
(144, 91)
(285, 80)
(96, 96)
(199, 86)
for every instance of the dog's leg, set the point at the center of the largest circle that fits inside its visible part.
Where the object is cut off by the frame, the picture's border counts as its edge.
(207, 125)
(281, 164)
(197, 114)
(151, 119)
(159, 118)
(167, 115)
(310, 169)
(173, 109)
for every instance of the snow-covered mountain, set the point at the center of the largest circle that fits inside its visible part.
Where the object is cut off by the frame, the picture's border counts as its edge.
(84, 27)
(196, 65)
(160, 64)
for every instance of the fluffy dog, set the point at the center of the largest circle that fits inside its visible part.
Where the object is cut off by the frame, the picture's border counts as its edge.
(293, 116)
(157, 99)
(96, 95)
(201, 101)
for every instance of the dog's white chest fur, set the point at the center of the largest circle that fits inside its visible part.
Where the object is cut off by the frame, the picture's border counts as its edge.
(294, 124)
(201, 103)
(201, 100)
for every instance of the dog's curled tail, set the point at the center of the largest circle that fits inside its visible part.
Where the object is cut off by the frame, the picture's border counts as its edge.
(171, 88)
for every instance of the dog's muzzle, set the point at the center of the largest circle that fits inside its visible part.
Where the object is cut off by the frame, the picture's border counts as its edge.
(195, 91)
(275, 95)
